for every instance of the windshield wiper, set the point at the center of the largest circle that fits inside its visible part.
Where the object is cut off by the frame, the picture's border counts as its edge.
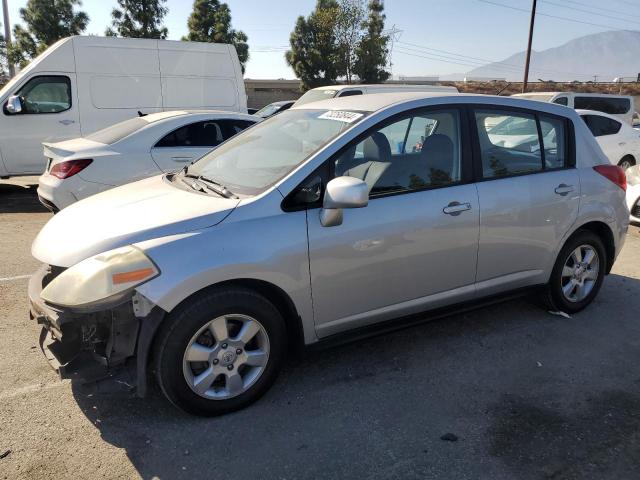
(217, 187)
(209, 183)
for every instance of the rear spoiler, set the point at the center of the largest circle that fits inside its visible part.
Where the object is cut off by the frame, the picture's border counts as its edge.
(54, 152)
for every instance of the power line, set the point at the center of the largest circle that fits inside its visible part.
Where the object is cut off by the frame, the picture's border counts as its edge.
(483, 61)
(590, 13)
(607, 10)
(611, 27)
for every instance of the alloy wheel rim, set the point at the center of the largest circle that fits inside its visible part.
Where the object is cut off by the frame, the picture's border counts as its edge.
(226, 356)
(580, 273)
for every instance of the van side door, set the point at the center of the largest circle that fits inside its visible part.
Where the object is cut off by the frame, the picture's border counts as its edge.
(49, 113)
(529, 193)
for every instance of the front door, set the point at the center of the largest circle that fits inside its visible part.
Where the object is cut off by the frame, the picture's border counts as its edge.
(49, 114)
(415, 245)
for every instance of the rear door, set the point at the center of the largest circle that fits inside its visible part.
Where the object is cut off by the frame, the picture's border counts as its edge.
(49, 114)
(189, 142)
(529, 194)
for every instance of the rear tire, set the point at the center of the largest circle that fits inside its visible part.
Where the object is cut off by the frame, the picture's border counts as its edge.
(627, 162)
(577, 274)
(220, 351)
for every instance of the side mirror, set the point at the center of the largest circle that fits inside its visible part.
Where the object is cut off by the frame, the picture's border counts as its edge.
(14, 104)
(342, 192)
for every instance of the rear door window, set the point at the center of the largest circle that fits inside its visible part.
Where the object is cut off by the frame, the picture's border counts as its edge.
(601, 126)
(199, 134)
(509, 143)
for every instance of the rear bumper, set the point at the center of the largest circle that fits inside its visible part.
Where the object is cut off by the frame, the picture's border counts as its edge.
(92, 346)
(55, 194)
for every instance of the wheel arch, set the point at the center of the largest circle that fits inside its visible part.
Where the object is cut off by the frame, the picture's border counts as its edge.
(281, 300)
(630, 156)
(603, 230)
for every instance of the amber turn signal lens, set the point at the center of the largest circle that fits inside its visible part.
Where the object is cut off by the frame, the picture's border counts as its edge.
(134, 276)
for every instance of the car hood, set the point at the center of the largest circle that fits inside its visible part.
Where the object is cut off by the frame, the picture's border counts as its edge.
(139, 211)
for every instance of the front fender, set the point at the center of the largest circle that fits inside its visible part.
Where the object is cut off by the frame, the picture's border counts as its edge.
(272, 249)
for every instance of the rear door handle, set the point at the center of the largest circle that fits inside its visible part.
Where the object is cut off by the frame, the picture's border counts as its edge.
(456, 208)
(563, 189)
(181, 159)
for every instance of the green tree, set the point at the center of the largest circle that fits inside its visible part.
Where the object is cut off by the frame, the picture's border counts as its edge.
(314, 55)
(210, 21)
(138, 19)
(372, 52)
(46, 22)
(348, 33)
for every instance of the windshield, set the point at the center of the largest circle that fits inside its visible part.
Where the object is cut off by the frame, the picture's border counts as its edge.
(117, 132)
(267, 111)
(257, 158)
(315, 95)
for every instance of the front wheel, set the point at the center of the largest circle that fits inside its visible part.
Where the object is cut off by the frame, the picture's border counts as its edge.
(577, 274)
(220, 352)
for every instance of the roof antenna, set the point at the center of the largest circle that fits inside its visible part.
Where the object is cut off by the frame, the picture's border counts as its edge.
(140, 114)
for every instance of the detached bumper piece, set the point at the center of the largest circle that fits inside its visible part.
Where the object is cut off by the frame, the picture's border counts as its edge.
(82, 346)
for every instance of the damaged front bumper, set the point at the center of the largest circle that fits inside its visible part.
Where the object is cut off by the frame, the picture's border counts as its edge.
(92, 346)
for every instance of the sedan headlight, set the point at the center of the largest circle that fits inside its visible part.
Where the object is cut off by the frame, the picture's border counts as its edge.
(104, 279)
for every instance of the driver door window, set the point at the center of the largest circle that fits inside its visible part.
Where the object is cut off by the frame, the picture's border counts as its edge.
(46, 94)
(413, 153)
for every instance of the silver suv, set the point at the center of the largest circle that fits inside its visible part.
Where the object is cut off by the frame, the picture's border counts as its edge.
(332, 216)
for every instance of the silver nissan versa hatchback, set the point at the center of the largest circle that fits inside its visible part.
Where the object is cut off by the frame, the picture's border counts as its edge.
(326, 219)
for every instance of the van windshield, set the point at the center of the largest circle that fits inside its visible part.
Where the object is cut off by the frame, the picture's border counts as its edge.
(315, 95)
(260, 156)
(117, 132)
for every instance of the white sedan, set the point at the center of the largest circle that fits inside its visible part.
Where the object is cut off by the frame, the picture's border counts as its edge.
(132, 150)
(619, 141)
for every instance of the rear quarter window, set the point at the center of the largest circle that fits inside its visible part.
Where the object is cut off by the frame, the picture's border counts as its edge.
(612, 106)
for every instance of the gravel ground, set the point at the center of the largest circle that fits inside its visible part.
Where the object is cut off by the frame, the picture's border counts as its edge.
(521, 393)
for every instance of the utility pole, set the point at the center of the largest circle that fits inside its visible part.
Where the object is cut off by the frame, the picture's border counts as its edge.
(526, 64)
(7, 35)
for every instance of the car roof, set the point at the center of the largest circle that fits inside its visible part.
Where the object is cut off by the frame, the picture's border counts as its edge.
(158, 116)
(379, 101)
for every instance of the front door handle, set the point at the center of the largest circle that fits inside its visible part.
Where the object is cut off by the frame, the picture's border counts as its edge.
(563, 189)
(456, 208)
(66, 122)
(181, 159)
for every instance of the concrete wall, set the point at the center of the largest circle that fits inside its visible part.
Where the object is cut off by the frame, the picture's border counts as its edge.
(264, 92)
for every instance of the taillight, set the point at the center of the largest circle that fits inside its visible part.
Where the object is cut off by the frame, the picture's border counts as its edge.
(69, 168)
(614, 173)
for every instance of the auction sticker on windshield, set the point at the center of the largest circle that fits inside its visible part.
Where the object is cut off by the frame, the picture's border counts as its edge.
(341, 116)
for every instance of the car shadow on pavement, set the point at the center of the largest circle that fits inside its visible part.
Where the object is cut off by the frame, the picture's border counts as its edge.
(524, 393)
(15, 198)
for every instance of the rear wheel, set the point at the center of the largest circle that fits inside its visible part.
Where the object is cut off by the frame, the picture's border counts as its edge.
(577, 274)
(220, 352)
(627, 162)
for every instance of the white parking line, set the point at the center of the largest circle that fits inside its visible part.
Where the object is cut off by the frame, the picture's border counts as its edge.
(17, 277)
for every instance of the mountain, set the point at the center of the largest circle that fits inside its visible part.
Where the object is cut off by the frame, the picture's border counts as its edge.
(607, 55)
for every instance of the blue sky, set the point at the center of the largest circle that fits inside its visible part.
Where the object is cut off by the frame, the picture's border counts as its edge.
(482, 29)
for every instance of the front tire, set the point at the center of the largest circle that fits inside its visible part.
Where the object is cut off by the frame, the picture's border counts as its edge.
(577, 274)
(220, 351)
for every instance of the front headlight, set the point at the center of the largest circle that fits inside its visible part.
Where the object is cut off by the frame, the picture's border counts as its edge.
(102, 279)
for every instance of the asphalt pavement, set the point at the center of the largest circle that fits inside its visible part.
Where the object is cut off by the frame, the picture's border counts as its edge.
(503, 392)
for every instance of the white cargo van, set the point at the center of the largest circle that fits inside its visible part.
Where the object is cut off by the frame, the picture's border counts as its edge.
(622, 106)
(334, 91)
(83, 84)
